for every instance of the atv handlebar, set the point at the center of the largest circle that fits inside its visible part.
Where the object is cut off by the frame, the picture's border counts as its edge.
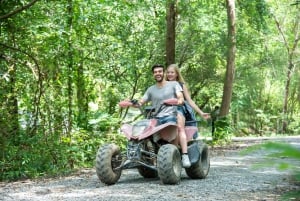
(134, 102)
(171, 101)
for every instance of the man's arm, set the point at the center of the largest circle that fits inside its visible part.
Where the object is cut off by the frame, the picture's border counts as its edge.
(142, 102)
(145, 98)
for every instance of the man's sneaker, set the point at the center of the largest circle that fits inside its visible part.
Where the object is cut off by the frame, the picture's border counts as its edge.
(185, 161)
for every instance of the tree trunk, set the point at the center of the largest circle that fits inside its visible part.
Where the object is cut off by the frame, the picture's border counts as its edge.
(285, 99)
(70, 64)
(9, 97)
(230, 68)
(13, 116)
(170, 37)
(82, 98)
(291, 51)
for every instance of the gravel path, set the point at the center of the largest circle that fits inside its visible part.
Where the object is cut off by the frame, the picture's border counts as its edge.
(231, 178)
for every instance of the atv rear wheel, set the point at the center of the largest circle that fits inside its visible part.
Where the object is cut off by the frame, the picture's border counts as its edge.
(108, 158)
(200, 169)
(169, 164)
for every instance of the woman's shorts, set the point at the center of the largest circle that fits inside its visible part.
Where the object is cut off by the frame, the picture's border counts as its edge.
(181, 110)
(167, 119)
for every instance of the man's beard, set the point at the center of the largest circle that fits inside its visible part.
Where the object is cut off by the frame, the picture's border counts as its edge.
(160, 79)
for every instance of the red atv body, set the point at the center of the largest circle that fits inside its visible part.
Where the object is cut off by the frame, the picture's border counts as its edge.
(150, 151)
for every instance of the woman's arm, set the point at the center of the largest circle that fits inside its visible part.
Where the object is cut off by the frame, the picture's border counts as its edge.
(193, 104)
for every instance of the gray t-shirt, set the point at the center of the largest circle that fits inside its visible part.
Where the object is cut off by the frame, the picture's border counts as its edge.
(157, 95)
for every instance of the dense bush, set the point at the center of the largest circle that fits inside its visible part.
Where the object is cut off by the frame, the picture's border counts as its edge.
(52, 155)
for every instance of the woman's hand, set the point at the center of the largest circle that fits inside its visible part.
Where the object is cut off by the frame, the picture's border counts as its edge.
(205, 115)
(171, 101)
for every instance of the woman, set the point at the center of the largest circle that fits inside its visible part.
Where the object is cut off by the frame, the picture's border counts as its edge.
(173, 74)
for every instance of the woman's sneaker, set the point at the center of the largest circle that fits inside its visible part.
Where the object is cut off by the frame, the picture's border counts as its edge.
(185, 161)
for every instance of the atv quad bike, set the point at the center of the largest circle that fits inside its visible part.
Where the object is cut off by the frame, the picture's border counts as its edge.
(149, 151)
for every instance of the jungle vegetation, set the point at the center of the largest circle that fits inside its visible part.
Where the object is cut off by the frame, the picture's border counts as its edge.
(65, 65)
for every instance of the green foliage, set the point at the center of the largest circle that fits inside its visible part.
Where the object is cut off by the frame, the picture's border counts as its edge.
(54, 64)
(223, 130)
(30, 157)
(82, 146)
(103, 122)
(279, 150)
(43, 156)
(256, 12)
(295, 124)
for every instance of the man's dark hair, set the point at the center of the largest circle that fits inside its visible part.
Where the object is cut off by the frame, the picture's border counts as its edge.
(157, 66)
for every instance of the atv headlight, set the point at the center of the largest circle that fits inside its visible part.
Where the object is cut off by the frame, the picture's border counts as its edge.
(139, 127)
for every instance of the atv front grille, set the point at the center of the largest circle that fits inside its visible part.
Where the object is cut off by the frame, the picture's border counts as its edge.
(133, 151)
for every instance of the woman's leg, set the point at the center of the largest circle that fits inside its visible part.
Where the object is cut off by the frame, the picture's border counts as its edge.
(181, 133)
(182, 140)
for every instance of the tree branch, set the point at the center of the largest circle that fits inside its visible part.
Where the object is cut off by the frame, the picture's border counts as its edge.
(27, 54)
(282, 34)
(8, 15)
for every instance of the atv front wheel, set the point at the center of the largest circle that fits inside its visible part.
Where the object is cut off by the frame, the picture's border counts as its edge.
(108, 158)
(169, 164)
(200, 169)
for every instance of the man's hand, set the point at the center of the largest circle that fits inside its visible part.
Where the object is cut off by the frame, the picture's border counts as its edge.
(128, 103)
(125, 103)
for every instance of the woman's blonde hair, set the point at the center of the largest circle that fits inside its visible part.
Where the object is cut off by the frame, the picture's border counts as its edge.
(179, 76)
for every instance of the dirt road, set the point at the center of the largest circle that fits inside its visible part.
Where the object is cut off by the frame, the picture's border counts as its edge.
(232, 177)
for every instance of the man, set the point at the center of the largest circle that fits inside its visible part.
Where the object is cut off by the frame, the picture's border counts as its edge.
(161, 91)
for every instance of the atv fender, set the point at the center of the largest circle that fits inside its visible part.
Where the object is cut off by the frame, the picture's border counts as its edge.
(169, 133)
(127, 130)
(190, 131)
(194, 152)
